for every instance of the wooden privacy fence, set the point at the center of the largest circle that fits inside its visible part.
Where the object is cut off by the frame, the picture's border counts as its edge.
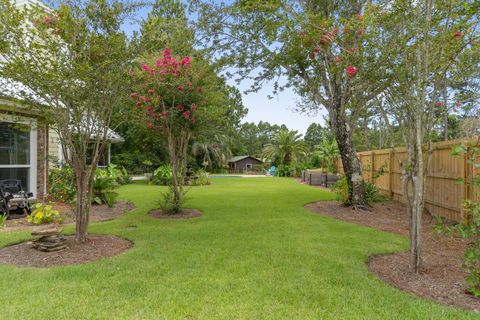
(444, 193)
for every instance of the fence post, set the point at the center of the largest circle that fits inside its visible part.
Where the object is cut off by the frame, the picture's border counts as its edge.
(372, 167)
(390, 173)
(465, 189)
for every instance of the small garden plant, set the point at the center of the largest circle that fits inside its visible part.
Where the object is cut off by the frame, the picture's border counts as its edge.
(44, 213)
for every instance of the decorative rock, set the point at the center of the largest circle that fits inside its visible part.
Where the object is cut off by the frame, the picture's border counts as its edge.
(48, 239)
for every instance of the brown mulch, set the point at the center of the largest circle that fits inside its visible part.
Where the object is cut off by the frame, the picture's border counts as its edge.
(184, 214)
(97, 247)
(442, 280)
(97, 213)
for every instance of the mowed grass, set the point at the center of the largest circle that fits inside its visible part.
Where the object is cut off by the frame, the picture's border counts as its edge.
(256, 253)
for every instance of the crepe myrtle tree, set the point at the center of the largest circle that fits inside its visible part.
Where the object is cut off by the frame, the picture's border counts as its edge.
(440, 40)
(170, 95)
(69, 64)
(333, 55)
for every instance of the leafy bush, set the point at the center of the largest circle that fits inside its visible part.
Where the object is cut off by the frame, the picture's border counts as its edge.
(168, 204)
(200, 178)
(163, 175)
(61, 186)
(372, 193)
(110, 198)
(103, 183)
(44, 213)
(120, 174)
(284, 170)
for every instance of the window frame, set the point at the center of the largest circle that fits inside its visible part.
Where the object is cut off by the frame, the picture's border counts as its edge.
(32, 166)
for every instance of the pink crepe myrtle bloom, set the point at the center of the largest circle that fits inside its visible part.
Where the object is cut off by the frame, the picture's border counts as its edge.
(151, 91)
(351, 71)
(439, 104)
(186, 61)
(164, 114)
(149, 110)
(138, 104)
(143, 99)
(146, 67)
(458, 34)
(180, 88)
(133, 95)
(150, 126)
(193, 107)
(200, 89)
(192, 120)
(180, 107)
(186, 114)
(338, 60)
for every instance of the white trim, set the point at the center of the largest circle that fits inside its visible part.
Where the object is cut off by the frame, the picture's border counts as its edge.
(32, 166)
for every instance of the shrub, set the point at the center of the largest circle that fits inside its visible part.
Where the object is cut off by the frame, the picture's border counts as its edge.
(200, 178)
(61, 186)
(44, 213)
(120, 174)
(163, 175)
(168, 204)
(284, 170)
(103, 183)
(110, 198)
(372, 193)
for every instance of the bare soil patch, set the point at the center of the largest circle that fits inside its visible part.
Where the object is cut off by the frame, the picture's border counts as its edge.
(443, 278)
(184, 214)
(98, 247)
(97, 213)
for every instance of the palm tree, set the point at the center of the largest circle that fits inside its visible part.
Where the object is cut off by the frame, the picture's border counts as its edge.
(286, 146)
(327, 152)
(212, 152)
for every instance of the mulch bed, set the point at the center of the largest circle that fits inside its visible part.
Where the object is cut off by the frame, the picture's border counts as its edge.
(97, 213)
(184, 214)
(97, 247)
(442, 280)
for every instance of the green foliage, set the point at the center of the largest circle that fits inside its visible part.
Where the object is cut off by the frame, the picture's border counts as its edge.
(120, 174)
(61, 185)
(162, 175)
(171, 204)
(200, 178)
(44, 213)
(284, 170)
(469, 228)
(110, 198)
(372, 194)
(3, 220)
(103, 186)
(285, 148)
(325, 155)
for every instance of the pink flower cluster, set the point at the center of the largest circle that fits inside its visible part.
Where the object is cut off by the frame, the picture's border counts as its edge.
(351, 71)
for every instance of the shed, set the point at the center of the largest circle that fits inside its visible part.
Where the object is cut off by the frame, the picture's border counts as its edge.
(243, 162)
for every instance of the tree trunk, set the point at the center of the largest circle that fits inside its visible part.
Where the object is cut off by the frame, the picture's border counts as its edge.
(351, 164)
(84, 200)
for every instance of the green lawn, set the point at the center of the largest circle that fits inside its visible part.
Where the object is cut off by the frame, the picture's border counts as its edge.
(254, 254)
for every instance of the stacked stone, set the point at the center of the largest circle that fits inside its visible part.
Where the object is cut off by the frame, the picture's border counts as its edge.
(48, 239)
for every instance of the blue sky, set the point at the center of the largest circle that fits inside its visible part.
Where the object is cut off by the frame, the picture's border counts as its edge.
(278, 110)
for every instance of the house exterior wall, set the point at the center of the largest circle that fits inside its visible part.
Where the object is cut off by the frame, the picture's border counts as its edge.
(242, 164)
(55, 153)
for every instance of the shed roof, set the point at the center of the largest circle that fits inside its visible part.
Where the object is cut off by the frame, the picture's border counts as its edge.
(238, 158)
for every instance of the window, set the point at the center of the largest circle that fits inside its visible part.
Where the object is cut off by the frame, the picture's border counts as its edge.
(249, 166)
(18, 154)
